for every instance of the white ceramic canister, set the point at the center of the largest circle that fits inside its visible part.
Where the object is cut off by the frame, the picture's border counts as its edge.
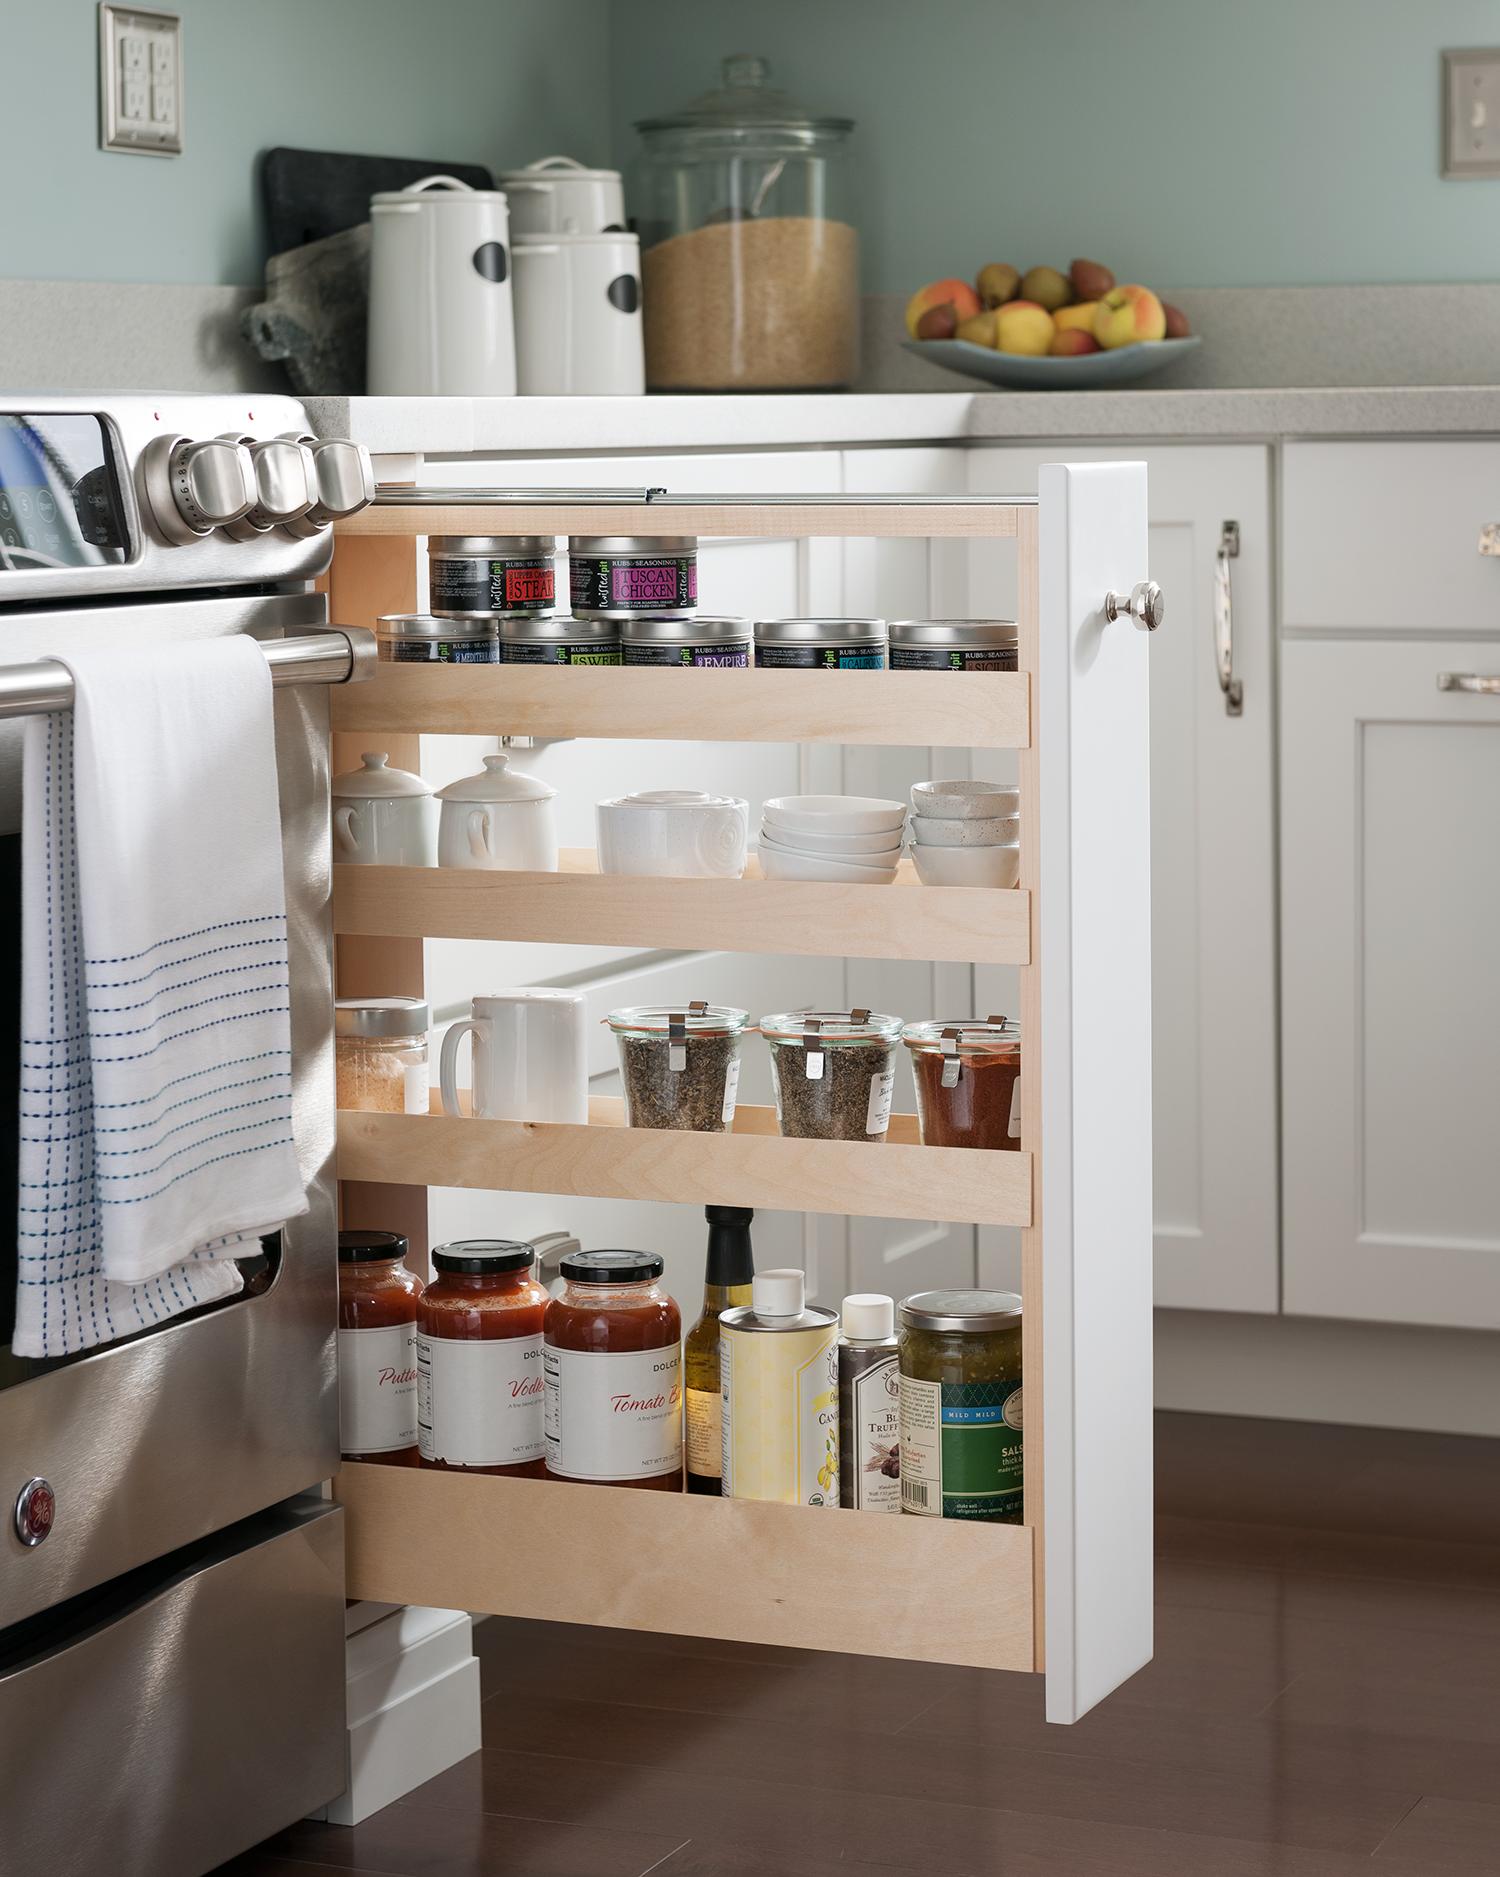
(498, 819)
(578, 316)
(383, 817)
(675, 834)
(530, 1057)
(441, 323)
(558, 196)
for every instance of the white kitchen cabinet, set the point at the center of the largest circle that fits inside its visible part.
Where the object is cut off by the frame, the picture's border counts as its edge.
(1213, 869)
(1390, 918)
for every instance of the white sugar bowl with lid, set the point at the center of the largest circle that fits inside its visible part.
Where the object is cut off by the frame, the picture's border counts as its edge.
(383, 817)
(681, 834)
(500, 819)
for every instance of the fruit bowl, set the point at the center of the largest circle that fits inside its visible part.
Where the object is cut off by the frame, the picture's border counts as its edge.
(1089, 371)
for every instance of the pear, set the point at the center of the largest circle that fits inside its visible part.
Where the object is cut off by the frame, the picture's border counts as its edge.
(980, 330)
(938, 322)
(997, 283)
(1091, 279)
(1047, 287)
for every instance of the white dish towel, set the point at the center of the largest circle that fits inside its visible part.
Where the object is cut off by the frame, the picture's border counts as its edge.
(156, 1115)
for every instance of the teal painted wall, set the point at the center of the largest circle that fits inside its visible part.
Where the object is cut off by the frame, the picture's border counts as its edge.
(484, 81)
(1191, 142)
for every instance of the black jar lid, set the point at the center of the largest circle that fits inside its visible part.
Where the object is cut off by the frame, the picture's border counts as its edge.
(611, 1267)
(484, 1257)
(366, 1247)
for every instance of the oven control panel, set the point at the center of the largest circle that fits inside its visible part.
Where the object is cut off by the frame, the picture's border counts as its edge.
(59, 492)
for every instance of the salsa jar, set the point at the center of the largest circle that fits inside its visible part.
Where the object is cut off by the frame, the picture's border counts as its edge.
(479, 1360)
(423, 639)
(960, 1357)
(378, 1306)
(473, 576)
(555, 639)
(702, 640)
(620, 576)
(679, 1068)
(968, 1077)
(820, 644)
(954, 645)
(834, 1072)
(614, 1373)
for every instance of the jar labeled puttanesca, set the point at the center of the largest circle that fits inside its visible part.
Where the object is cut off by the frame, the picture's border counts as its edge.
(378, 1304)
(961, 1405)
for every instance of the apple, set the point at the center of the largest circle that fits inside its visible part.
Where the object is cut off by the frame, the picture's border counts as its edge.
(1091, 279)
(980, 330)
(955, 293)
(1128, 315)
(1078, 318)
(1048, 288)
(997, 283)
(1072, 343)
(1177, 321)
(1023, 327)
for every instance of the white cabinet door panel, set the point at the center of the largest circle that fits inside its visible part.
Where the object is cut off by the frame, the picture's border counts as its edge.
(1391, 992)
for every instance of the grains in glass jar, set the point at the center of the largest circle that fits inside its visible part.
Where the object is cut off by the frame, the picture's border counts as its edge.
(680, 1068)
(380, 1053)
(834, 1071)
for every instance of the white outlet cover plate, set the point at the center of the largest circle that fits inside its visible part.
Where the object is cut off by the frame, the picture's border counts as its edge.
(140, 81)
(1471, 112)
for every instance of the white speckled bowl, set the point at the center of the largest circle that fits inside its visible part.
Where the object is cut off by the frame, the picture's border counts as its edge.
(963, 800)
(989, 831)
(967, 866)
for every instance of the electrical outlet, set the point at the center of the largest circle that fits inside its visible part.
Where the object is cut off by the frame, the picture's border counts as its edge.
(1471, 112)
(140, 81)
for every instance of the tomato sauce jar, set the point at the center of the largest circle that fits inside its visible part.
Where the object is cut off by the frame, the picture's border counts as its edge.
(378, 1303)
(479, 1360)
(614, 1373)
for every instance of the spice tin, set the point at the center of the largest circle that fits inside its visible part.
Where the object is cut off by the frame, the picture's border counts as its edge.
(554, 639)
(701, 639)
(779, 1395)
(618, 576)
(474, 576)
(961, 1451)
(820, 644)
(968, 1079)
(422, 638)
(953, 645)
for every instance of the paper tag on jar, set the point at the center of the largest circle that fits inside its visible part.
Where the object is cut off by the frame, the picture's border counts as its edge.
(878, 1114)
(1014, 1129)
(731, 1089)
(416, 1087)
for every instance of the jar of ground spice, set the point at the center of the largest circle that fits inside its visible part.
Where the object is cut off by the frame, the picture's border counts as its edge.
(833, 1071)
(968, 1077)
(380, 1053)
(681, 1068)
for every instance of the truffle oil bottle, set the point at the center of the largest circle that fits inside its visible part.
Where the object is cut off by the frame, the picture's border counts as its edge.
(726, 1283)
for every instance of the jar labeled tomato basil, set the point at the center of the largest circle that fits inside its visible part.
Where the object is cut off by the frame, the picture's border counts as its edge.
(378, 1304)
(968, 1077)
(614, 1373)
(479, 1360)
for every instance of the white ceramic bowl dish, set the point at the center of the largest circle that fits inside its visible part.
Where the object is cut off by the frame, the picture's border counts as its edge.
(777, 863)
(968, 831)
(836, 846)
(959, 800)
(834, 814)
(967, 866)
(674, 834)
(794, 844)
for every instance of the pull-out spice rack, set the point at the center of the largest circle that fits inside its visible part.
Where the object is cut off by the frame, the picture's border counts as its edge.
(1068, 1591)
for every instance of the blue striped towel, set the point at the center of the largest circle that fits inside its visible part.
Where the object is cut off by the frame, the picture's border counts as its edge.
(156, 1113)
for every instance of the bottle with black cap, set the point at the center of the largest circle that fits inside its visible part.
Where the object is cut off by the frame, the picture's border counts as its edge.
(378, 1304)
(726, 1282)
(479, 1359)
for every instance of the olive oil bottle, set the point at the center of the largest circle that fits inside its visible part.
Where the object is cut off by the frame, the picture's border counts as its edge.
(726, 1282)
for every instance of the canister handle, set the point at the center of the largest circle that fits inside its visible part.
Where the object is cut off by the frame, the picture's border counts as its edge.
(429, 182)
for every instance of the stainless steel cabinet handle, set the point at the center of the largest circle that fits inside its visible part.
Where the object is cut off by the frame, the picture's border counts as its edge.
(1143, 603)
(1479, 683)
(1233, 689)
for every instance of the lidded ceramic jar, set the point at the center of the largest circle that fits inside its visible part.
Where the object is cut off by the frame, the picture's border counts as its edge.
(499, 819)
(383, 817)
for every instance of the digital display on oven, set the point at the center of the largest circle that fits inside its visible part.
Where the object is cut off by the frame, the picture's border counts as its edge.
(59, 500)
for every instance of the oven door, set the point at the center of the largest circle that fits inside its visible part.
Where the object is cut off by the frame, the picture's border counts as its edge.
(154, 1442)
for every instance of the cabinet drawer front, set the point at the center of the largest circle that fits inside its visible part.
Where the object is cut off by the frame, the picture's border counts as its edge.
(1384, 537)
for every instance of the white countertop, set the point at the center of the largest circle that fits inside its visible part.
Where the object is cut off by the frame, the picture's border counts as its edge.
(470, 426)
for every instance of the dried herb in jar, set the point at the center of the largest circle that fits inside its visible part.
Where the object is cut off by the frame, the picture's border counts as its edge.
(834, 1072)
(681, 1069)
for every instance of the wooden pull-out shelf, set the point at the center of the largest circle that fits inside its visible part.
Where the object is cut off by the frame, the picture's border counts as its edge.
(578, 905)
(753, 1166)
(922, 708)
(930, 1590)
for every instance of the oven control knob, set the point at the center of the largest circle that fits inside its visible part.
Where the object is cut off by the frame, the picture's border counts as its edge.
(286, 483)
(346, 482)
(36, 1508)
(192, 488)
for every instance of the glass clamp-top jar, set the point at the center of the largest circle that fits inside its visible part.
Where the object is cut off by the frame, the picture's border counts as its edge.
(380, 1052)
(749, 256)
(834, 1071)
(968, 1077)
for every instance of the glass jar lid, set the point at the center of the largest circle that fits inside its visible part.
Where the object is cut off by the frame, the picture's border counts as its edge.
(486, 546)
(483, 1257)
(694, 1019)
(611, 1267)
(974, 635)
(426, 626)
(831, 1027)
(558, 628)
(367, 1247)
(974, 1310)
(627, 544)
(966, 1036)
(820, 632)
(381, 1017)
(685, 629)
(744, 105)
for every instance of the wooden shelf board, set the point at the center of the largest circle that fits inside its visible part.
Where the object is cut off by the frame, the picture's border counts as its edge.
(930, 1590)
(940, 709)
(578, 905)
(774, 517)
(753, 1166)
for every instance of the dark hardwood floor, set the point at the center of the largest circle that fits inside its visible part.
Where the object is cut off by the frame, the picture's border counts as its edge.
(1324, 1700)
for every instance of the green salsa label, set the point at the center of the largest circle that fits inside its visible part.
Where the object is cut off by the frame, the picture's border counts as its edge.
(961, 1449)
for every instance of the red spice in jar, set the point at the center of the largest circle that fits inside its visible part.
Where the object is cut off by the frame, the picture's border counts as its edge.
(479, 1360)
(968, 1077)
(614, 1373)
(378, 1303)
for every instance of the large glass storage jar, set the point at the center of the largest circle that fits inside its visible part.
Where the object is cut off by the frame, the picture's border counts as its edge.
(749, 257)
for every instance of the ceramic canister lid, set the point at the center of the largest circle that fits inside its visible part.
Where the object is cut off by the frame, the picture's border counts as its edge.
(376, 781)
(499, 783)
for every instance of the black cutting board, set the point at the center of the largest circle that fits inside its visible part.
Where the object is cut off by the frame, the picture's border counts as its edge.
(312, 193)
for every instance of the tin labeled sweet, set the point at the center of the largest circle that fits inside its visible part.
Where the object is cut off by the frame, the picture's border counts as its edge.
(953, 645)
(554, 639)
(820, 644)
(699, 640)
(779, 1387)
(424, 639)
(475, 576)
(619, 576)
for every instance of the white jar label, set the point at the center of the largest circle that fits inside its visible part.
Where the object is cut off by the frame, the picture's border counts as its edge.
(921, 1447)
(614, 1415)
(378, 1389)
(875, 1464)
(731, 1089)
(416, 1087)
(1015, 1109)
(480, 1403)
(878, 1114)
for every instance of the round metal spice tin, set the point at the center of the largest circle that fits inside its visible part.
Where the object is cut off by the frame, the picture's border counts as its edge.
(701, 639)
(619, 576)
(420, 638)
(820, 644)
(953, 645)
(554, 639)
(475, 576)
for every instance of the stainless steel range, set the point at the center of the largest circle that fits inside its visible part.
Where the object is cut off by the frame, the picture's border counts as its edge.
(171, 1583)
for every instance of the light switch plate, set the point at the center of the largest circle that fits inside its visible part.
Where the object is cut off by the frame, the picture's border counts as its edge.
(140, 81)
(1471, 112)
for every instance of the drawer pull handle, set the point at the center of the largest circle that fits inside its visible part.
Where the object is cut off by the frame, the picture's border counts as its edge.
(1144, 604)
(1477, 683)
(1232, 687)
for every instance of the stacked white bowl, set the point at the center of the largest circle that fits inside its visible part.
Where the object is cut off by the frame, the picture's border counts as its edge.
(855, 839)
(966, 833)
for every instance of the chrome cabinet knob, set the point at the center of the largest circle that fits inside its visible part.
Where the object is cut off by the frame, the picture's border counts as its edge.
(191, 488)
(1144, 604)
(286, 484)
(345, 482)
